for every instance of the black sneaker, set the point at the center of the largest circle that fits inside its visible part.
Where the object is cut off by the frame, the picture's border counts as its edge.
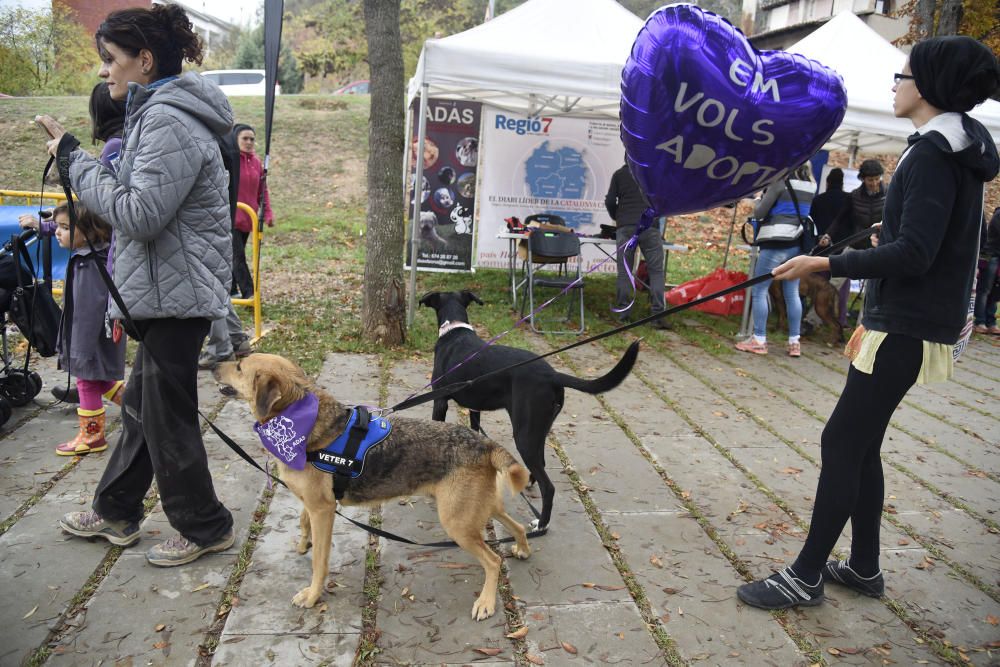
(781, 590)
(662, 323)
(840, 572)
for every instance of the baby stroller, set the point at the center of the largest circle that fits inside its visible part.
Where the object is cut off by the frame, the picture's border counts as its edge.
(18, 385)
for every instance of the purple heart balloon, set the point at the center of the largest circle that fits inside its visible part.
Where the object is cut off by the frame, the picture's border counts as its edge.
(707, 119)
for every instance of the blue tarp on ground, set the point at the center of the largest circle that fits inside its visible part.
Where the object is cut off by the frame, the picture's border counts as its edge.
(9, 227)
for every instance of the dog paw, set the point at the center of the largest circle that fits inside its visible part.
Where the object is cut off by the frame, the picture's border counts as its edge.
(305, 598)
(303, 546)
(519, 552)
(483, 609)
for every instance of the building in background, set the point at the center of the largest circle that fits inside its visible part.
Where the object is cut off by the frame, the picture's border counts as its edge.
(213, 30)
(777, 24)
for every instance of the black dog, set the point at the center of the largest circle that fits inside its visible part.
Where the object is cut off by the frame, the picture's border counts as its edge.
(532, 394)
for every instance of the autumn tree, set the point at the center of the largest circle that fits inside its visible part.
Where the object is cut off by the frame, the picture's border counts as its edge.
(383, 318)
(46, 52)
(931, 18)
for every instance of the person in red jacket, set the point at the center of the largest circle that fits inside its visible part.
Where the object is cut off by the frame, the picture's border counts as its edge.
(251, 182)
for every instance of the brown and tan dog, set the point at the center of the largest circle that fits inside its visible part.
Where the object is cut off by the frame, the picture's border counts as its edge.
(463, 471)
(820, 293)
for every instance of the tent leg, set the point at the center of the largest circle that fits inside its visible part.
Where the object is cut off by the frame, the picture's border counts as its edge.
(418, 179)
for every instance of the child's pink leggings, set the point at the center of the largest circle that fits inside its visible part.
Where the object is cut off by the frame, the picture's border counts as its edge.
(92, 391)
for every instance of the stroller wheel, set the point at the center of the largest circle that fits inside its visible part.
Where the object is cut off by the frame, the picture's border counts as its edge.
(18, 388)
(36, 381)
(5, 410)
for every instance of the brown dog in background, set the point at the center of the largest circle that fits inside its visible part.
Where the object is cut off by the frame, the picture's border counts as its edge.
(817, 290)
(462, 470)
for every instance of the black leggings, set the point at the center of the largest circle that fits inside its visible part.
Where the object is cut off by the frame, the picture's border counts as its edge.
(850, 480)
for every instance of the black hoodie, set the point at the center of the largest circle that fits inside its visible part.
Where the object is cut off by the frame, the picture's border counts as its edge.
(922, 271)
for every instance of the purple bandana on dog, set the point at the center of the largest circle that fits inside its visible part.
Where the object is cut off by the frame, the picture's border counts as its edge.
(285, 435)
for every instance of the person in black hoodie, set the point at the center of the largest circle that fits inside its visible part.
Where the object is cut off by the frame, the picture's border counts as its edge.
(920, 278)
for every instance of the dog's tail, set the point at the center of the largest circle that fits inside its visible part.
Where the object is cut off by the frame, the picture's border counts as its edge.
(606, 382)
(512, 474)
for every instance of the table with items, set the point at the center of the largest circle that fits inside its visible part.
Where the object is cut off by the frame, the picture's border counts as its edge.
(601, 243)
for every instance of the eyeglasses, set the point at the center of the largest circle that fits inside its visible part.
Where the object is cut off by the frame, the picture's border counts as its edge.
(897, 77)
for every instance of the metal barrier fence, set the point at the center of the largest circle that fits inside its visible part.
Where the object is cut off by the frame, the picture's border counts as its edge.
(254, 302)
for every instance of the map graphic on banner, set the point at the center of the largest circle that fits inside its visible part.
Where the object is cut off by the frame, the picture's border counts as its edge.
(556, 165)
(448, 187)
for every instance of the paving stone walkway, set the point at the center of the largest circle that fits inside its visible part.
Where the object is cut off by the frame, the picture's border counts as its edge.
(695, 475)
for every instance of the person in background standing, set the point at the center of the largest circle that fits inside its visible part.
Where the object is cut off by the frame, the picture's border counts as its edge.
(827, 205)
(985, 311)
(625, 204)
(865, 209)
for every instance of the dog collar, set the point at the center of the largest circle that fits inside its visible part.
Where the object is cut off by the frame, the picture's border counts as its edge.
(285, 434)
(448, 325)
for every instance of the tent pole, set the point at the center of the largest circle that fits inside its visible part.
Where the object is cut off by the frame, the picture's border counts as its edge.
(408, 137)
(732, 227)
(418, 180)
(854, 149)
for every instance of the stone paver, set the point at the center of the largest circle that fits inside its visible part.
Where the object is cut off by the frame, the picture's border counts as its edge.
(693, 492)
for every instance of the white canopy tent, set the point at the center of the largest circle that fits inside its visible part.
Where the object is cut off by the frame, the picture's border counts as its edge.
(867, 62)
(560, 57)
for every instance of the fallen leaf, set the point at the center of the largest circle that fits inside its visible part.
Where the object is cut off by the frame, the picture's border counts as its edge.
(200, 588)
(671, 591)
(792, 471)
(569, 648)
(159, 627)
(620, 635)
(160, 645)
(33, 610)
(655, 562)
(588, 584)
(903, 542)
(405, 592)
(665, 618)
(534, 659)
(520, 633)
(833, 651)
(488, 651)
(992, 620)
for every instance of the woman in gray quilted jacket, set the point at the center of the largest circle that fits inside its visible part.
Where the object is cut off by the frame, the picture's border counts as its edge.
(169, 207)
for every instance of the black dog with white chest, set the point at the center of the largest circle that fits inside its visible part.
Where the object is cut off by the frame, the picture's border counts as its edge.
(532, 394)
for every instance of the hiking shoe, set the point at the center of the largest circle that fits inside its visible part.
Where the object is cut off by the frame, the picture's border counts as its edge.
(993, 330)
(91, 524)
(794, 350)
(781, 590)
(751, 345)
(208, 361)
(178, 551)
(662, 323)
(242, 348)
(840, 572)
(980, 329)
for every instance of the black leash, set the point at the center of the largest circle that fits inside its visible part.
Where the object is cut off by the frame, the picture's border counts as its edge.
(448, 390)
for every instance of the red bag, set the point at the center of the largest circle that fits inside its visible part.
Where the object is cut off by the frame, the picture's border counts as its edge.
(716, 281)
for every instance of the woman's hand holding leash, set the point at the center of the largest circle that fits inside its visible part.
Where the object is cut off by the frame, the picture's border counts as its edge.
(800, 267)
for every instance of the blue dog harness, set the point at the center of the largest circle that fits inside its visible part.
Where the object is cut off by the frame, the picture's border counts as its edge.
(344, 458)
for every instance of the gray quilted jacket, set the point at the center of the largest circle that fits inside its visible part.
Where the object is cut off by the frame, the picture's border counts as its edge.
(169, 204)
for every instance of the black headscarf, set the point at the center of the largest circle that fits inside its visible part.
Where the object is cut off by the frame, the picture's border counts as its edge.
(954, 73)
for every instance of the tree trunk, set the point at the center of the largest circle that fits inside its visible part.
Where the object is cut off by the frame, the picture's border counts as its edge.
(384, 308)
(950, 17)
(924, 16)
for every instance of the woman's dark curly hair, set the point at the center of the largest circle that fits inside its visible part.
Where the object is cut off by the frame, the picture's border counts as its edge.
(165, 31)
